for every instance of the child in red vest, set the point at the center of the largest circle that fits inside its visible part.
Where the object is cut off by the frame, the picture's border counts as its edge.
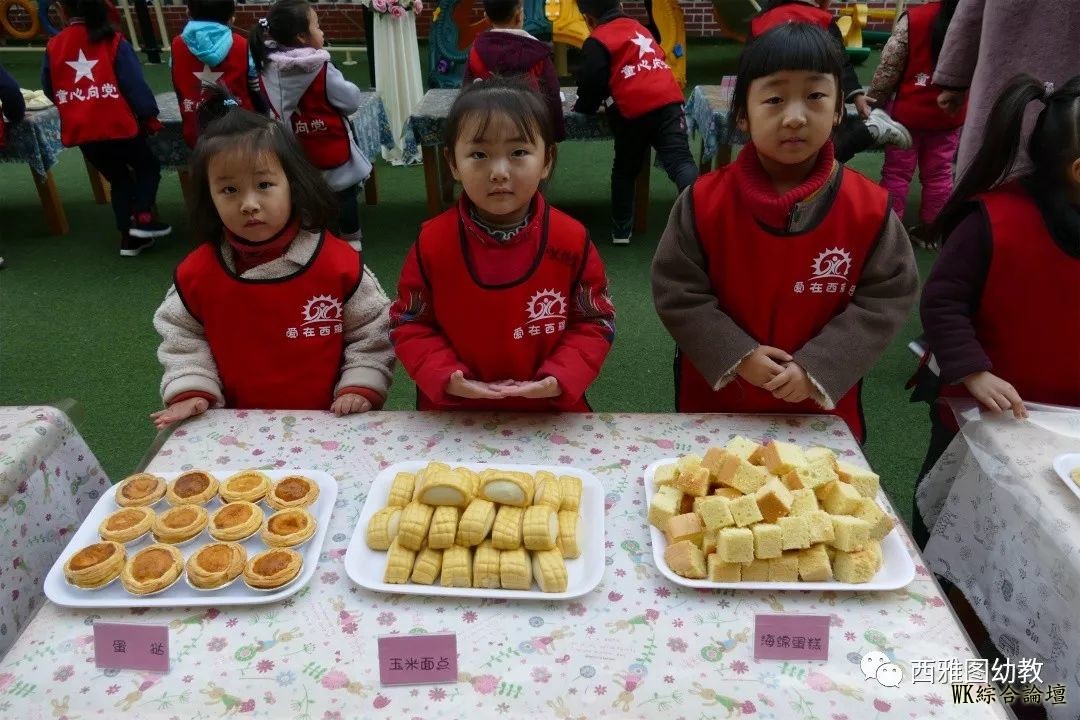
(783, 276)
(314, 100)
(621, 60)
(272, 311)
(1001, 307)
(507, 49)
(209, 52)
(503, 301)
(106, 109)
(907, 64)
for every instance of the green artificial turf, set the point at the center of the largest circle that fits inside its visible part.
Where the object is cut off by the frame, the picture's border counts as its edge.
(75, 317)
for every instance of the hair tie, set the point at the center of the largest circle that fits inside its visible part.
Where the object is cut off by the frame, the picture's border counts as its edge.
(1048, 90)
(231, 102)
(264, 23)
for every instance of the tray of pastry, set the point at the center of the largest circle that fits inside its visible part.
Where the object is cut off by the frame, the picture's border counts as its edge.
(502, 530)
(212, 536)
(1067, 467)
(772, 517)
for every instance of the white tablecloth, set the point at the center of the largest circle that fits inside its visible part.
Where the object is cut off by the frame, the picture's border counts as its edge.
(398, 81)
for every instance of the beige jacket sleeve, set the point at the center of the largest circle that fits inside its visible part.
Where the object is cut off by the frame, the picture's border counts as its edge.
(369, 355)
(184, 352)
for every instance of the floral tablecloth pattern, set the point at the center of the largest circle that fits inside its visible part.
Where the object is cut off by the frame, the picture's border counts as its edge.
(1006, 531)
(370, 123)
(636, 646)
(707, 115)
(49, 480)
(34, 141)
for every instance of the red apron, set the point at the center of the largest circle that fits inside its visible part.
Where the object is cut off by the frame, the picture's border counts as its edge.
(319, 126)
(916, 96)
(189, 73)
(640, 80)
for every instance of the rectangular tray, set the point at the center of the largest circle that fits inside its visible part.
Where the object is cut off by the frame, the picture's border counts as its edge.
(365, 566)
(1063, 465)
(897, 570)
(60, 592)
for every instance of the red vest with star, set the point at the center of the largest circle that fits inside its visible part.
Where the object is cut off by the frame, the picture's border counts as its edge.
(189, 91)
(320, 127)
(1027, 320)
(789, 12)
(276, 343)
(781, 289)
(916, 105)
(506, 331)
(92, 108)
(647, 83)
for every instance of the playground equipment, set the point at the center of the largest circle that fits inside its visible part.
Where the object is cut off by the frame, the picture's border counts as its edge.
(24, 19)
(852, 20)
(733, 17)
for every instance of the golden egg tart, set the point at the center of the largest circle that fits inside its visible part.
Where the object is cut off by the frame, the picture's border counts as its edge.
(180, 524)
(192, 488)
(288, 528)
(245, 486)
(127, 524)
(152, 569)
(273, 569)
(140, 490)
(95, 566)
(236, 521)
(215, 565)
(293, 491)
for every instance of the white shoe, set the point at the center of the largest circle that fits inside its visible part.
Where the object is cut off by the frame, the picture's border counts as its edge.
(887, 131)
(620, 240)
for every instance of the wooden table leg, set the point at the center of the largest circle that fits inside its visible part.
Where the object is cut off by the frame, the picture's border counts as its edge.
(185, 188)
(723, 155)
(704, 165)
(50, 203)
(446, 179)
(371, 188)
(98, 184)
(641, 195)
(431, 179)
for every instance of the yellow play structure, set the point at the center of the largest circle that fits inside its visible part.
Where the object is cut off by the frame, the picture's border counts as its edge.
(853, 18)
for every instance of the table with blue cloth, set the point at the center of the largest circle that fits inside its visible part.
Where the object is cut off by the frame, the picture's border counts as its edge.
(707, 115)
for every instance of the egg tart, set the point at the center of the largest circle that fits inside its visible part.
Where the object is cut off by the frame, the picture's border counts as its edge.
(140, 490)
(288, 528)
(96, 565)
(272, 569)
(293, 491)
(236, 521)
(215, 565)
(246, 486)
(180, 524)
(152, 569)
(127, 524)
(192, 488)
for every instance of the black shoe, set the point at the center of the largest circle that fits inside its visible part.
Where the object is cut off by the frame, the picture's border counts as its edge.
(130, 246)
(144, 225)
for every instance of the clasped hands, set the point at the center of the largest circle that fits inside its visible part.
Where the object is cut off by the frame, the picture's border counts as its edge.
(776, 372)
(460, 386)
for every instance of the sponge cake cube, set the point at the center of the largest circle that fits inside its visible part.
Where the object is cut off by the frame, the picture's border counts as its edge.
(727, 492)
(735, 545)
(881, 523)
(720, 571)
(821, 528)
(665, 505)
(814, 565)
(767, 540)
(784, 568)
(857, 567)
(686, 559)
(756, 571)
(741, 475)
(695, 482)
(774, 500)
(795, 532)
(850, 533)
(714, 457)
(839, 498)
(803, 502)
(684, 527)
(781, 457)
(664, 475)
(715, 512)
(865, 481)
(743, 447)
(744, 510)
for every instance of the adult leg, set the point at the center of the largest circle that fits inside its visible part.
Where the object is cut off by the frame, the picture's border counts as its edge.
(672, 144)
(936, 154)
(631, 139)
(896, 174)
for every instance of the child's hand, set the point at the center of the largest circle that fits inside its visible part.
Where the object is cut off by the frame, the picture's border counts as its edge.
(950, 101)
(350, 403)
(546, 388)
(995, 394)
(792, 384)
(762, 365)
(459, 386)
(179, 411)
(863, 105)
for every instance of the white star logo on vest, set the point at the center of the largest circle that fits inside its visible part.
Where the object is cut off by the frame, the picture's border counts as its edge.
(83, 68)
(207, 75)
(644, 45)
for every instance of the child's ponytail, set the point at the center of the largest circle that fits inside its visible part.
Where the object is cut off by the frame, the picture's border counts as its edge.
(285, 20)
(94, 14)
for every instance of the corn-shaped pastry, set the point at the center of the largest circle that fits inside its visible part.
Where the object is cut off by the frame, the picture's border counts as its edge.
(568, 543)
(457, 567)
(427, 566)
(506, 533)
(382, 528)
(485, 566)
(549, 570)
(515, 569)
(427, 471)
(444, 522)
(476, 523)
(507, 487)
(548, 490)
(540, 528)
(446, 487)
(401, 490)
(413, 526)
(571, 492)
(471, 479)
(399, 564)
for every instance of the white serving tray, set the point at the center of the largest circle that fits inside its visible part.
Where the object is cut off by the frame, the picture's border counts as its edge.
(365, 566)
(1063, 465)
(897, 570)
(60, 592)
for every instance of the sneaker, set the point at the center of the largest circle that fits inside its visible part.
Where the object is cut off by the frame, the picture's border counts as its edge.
(620, 239)
(923, 236)
(130, 245)
(887, 131)
(144, 225)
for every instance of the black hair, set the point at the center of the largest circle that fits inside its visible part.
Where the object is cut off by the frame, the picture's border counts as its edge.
(226, 127)
(510, 96)
(791, 46)
(219, 11)
(283, 22)
(597, 8)
(94, 14)
(501, 11)
(940, 26)
(1053, 147)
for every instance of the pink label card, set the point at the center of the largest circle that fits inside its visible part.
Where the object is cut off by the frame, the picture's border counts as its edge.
(791, 637)
(418, 659)
(131, 646)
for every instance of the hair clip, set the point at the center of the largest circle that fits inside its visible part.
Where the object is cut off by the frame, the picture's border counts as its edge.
(231, 102)
(264, 23)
